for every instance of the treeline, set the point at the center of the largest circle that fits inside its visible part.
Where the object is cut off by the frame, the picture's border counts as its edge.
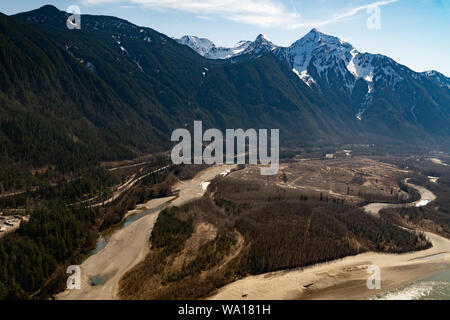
(53, 185)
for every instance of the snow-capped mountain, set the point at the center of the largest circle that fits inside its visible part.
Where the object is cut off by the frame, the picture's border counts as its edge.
(225, 53)
(318, 50)
(261, 44)
(208, 49)
(326, 56)
(201, 45)
(322, 61)
(326, 53)
(318, 59)
(318, 89)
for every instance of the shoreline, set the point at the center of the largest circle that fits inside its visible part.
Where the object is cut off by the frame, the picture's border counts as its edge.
(343, 279)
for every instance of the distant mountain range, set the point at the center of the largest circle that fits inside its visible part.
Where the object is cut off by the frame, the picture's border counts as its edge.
(208, 49)
(313, 45)
(114, 90)
(330, 59)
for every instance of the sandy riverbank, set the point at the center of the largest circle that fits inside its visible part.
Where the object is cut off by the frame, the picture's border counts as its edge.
(346, 278)
(342, 279)
(129, 245)
(126, 247)
(191, 189)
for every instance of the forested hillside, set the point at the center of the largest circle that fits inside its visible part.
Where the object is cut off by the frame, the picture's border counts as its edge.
(54, 110)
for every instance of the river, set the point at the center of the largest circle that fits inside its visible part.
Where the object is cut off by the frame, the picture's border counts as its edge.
(434, 287)
(125, 245)
(346, 278)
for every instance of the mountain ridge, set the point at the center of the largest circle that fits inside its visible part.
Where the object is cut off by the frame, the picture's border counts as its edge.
(162, 85)
(325, 62)
(205, 51)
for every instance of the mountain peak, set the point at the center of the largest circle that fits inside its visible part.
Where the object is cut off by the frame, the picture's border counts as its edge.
(314, 31)
(195, 39)
(45, 14)
(48, 9)
(317, 38)
(263, 40)
(262, 36)
(431, 73)
(313, 34)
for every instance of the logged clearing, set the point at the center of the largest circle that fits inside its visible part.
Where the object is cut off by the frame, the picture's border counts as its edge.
(355, 179)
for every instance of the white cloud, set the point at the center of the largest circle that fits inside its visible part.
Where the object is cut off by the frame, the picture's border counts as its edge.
(342, 16)
(262, 13)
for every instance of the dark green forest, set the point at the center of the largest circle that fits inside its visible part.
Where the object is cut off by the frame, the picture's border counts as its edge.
(31, 255)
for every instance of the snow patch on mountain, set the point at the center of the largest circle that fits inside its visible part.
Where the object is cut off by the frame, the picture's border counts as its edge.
(305, 77)
(317, 58)
(201, 45)
(225, 53)
(117, 40)
(209, 50)
(361, 66)
(367, 100)
(90, 66)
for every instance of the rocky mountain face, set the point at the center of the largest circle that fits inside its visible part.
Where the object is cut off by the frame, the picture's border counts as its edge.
(208, 49)
(113, 90)
(380, 93)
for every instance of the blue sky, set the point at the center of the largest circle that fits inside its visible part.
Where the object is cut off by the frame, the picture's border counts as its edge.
(415, 33)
